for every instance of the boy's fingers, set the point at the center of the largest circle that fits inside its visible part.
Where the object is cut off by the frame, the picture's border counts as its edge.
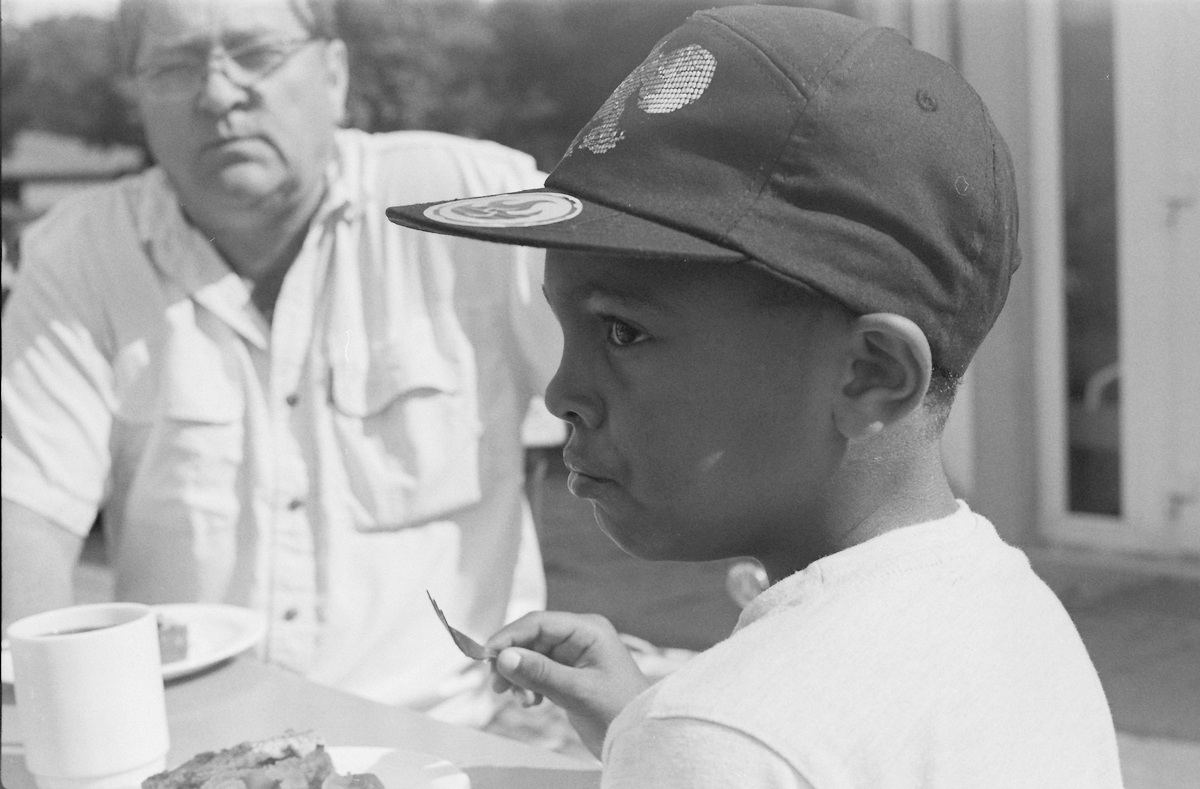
(500, 684)
(525, 631)
(544, 631)
(527, 697)
(535, 672)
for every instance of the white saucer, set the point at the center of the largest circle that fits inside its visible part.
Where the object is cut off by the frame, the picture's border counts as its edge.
(215, 633)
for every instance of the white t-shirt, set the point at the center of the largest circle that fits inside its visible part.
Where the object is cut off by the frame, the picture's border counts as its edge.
(931, 656)
(325, 468)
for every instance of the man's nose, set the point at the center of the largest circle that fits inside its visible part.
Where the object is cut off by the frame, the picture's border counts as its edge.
(569, 400)
(219, 93)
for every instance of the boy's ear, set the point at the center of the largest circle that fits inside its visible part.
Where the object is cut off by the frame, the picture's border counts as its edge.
(887, 375)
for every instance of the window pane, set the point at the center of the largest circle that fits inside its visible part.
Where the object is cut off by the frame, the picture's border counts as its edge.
(1090, 223)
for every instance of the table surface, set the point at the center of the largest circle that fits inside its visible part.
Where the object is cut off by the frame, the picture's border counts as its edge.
(244, 699)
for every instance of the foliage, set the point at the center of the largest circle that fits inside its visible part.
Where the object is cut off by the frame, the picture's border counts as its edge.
(415, 65)
(14, 70)
(61, 75)
(562, 60)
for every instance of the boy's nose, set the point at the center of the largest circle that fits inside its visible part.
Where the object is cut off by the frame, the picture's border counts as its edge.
(565, 398)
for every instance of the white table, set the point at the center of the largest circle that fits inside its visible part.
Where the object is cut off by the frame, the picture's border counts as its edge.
(244, 699)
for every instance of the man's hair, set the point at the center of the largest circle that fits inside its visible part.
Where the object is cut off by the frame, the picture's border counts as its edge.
(319, 18)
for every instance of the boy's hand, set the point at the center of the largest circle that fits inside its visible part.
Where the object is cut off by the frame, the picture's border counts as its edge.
(575, 660)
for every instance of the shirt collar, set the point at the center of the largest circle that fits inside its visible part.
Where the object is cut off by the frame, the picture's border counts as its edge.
(343, 178)
(910, 546)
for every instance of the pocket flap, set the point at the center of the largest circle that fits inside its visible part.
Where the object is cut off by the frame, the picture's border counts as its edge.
(391, 373)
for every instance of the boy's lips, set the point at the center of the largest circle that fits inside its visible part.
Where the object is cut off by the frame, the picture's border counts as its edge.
(585, 486)
(583, 480)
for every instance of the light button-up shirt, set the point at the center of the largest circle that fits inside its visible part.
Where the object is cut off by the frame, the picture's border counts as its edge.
(326, 468)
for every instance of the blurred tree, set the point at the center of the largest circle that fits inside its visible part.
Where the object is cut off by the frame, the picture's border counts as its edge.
(419, 64)
(14, 79)
(64, 78)
(561, 60)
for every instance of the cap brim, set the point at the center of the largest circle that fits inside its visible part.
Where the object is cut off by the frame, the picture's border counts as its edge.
(552, 219)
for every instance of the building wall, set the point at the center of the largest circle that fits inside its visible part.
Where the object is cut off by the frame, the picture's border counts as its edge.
(992, 51)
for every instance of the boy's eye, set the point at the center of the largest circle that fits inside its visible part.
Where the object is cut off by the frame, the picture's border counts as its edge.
(621, 333)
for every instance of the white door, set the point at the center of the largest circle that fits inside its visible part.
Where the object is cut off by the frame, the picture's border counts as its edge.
(1116, 214)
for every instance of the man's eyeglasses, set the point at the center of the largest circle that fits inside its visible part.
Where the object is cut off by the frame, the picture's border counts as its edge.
(184, 74)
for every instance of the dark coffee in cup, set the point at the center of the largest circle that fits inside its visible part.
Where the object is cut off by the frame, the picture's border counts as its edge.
(76, 630)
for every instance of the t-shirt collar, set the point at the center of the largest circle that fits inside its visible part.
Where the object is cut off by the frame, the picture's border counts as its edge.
(896, 547)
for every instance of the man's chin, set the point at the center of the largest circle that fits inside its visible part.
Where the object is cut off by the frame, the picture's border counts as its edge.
(246, 184)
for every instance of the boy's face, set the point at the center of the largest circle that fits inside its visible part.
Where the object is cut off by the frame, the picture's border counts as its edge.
(701, 409)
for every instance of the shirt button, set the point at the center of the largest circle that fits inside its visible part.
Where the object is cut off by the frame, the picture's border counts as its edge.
(295, 504)
(292, 399)
(290, 614)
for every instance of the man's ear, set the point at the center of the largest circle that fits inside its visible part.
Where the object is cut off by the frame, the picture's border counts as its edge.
(887, 375)
(337, 67)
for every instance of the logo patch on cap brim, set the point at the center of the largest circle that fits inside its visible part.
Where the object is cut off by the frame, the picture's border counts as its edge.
(520, 210)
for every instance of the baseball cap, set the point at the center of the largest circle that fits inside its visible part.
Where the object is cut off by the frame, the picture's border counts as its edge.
(828, 152)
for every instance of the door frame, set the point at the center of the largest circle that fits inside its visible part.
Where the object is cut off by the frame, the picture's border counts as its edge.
(1151, 456)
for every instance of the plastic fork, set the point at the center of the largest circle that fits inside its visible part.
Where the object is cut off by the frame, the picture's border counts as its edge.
(476, 651)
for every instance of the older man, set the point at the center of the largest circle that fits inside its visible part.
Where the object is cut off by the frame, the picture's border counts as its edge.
(279, 399)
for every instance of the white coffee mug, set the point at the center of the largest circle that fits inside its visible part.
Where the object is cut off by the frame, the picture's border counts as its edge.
(89, 692)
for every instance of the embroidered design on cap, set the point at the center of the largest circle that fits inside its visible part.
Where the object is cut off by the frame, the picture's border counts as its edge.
(525, 210)
(664, 83)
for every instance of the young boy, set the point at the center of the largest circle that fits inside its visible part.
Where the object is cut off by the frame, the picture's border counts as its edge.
(773, 253)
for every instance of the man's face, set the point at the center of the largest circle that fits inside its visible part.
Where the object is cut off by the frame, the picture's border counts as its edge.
(701, 418)
(232, 148)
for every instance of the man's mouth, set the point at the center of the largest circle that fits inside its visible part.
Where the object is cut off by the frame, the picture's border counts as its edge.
(224, 141)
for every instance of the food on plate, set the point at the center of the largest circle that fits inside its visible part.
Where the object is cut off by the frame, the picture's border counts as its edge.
(172, 639)
(291, 761)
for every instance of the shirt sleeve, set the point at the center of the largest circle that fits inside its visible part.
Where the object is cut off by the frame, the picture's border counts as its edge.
(428, 166)
(537, 332)
(56, 385)
(687, 753)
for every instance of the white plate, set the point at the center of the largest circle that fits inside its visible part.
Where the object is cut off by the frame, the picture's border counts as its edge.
(400, 769)
(215, 633)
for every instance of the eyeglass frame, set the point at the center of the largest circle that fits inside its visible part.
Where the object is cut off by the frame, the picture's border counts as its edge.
(224, 60)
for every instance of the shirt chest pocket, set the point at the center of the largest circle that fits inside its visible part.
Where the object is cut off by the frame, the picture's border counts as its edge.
(407, 426)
